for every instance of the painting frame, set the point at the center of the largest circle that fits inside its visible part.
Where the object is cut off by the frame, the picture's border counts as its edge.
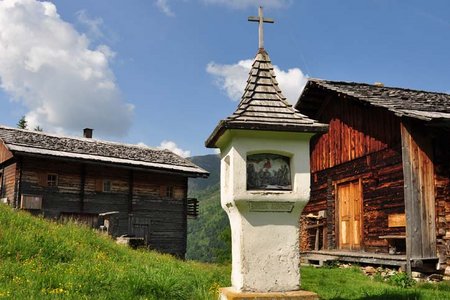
(268, 171)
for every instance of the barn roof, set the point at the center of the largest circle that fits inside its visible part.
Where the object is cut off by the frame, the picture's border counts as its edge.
(263, 106)
(39, 143)
(422, 105)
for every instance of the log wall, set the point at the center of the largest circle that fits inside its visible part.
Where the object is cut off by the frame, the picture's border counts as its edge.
(354, 131)
(442, 197)
(9, 183)
(362, 143)
(5, 154)
(139, 197)
(382, 188)
(8, 174)
(150, 201)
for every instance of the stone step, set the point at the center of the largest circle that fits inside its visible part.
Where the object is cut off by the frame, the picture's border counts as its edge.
(317, 259)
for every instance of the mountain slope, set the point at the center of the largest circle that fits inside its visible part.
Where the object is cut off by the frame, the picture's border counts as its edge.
(210, 163)
(209, 234)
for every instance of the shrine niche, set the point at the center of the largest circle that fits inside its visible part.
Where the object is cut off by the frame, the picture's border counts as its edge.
(266, 171)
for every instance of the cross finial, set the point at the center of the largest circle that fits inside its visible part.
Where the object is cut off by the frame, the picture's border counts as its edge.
(260, 19)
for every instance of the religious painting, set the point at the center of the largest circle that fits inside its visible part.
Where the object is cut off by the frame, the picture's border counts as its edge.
(266, 171)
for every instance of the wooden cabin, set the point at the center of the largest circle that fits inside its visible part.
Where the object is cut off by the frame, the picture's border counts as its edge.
(125, 189)
(380, 177)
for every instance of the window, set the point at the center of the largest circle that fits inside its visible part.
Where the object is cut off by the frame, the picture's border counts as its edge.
(31, 202)
(166, 191)
(52, 180)
(107, 185)
(103, 185)
(169, 192)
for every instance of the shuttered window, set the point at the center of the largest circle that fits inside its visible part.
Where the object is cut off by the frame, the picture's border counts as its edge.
(99, 185)
(169, 192)
(107, 185)
(52, 180)
(48, 179)
(31, 202)
(103, 185)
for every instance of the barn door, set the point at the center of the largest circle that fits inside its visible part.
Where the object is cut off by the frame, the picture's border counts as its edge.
(140, 227)
(349, 203)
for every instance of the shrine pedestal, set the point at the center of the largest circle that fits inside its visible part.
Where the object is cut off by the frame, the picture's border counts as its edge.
(229, 293)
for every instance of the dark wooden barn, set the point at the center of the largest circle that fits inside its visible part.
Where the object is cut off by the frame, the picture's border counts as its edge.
(139, 191)
(380, 177)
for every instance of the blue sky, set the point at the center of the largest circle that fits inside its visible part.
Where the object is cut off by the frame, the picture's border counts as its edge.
(164, 72)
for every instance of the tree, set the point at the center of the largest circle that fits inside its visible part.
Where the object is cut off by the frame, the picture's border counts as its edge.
(22, 124)
(38, 128)
(223, 254)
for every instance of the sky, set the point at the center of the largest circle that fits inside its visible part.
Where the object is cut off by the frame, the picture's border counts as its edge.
(162, 73)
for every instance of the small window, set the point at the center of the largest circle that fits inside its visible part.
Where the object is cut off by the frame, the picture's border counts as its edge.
(52, 180)
(31, 202)
(169, 192)
(107, 185)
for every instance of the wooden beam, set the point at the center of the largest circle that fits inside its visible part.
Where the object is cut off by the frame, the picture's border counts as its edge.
(8, 162)
(130, 191)
(408, 193)
(331, 217)
(418, 174)
(18, 182)
(185, 217)
(82, 186)
(426, 175)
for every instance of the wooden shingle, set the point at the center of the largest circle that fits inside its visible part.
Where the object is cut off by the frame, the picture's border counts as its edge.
(44, 144)
(263, 106)
(422, 105)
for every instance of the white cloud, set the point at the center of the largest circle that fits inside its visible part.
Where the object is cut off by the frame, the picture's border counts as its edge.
(163, 6)
(233, 78)
(242, 4)
(49, 67)
(93, 24)
(142, 144)
(174, 148)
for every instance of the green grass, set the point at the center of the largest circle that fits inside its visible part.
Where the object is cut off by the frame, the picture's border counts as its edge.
(335, 283)
(40, 259)
(44, 260)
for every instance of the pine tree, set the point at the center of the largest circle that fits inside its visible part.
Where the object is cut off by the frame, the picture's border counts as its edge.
(22, 124)
(38, 128)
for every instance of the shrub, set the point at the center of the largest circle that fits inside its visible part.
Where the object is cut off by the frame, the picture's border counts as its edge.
(401, 280)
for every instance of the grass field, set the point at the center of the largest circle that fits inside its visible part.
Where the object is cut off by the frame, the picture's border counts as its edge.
(335, 283)
(44, 260)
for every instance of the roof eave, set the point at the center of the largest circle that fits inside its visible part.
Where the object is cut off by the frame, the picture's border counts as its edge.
(283, 127)
(215, 135)
(188, 171)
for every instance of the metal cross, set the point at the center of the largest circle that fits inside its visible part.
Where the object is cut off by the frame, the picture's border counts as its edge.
(260, 19)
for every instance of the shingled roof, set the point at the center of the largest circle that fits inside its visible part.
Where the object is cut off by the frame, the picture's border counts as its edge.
(263, 106)
(423, 105)
(27, 142)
